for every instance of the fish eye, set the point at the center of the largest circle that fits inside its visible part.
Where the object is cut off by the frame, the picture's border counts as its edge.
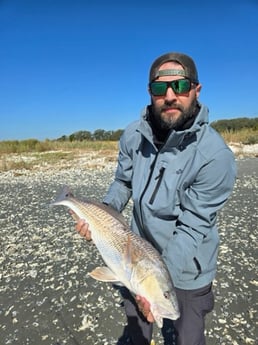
(166, 294)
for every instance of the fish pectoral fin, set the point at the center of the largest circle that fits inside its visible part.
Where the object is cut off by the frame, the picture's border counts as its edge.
(104, 274)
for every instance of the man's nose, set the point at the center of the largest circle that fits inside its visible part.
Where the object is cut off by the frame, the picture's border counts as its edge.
(170, 94)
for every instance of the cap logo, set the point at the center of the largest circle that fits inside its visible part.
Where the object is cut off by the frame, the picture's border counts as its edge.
(165, 72)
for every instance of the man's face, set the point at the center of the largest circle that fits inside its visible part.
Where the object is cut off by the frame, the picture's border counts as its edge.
(171, 109)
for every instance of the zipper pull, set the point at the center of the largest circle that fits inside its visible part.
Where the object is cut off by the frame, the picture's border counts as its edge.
(158, 179)
(161, 172)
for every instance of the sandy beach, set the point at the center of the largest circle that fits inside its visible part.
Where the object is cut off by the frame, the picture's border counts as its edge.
(46, 296)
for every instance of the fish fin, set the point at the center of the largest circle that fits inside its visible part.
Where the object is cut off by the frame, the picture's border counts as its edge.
(104, 274)
(128, 251)
(114, 213)
(127, 257)
(130, 257)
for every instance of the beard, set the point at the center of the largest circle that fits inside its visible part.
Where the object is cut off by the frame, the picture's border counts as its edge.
(167, 123)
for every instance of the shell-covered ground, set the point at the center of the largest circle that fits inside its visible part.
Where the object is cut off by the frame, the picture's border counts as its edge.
(46, 296)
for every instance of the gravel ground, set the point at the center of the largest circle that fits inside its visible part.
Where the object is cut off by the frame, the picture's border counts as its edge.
(46, 297)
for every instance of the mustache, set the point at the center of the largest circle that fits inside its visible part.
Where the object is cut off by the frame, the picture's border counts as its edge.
(174, 105)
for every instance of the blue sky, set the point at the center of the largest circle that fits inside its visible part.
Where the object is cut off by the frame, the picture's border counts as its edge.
(74, 65)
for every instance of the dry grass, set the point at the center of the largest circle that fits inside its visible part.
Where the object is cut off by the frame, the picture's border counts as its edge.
(32, 154)
(244, 136)
(34, 145)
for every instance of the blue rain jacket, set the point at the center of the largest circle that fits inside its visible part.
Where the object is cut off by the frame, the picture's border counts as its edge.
(177, 192)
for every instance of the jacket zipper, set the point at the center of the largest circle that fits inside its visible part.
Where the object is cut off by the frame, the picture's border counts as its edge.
(146, 234)
(159, 179)
(148, 181)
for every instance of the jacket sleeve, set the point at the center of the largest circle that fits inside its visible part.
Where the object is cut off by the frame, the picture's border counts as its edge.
(200, 202)
(120, 189)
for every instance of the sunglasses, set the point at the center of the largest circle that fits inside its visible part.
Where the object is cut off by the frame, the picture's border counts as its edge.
(179, 86)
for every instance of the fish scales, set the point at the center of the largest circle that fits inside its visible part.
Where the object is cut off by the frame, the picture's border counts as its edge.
(131, 260)
(103, 221)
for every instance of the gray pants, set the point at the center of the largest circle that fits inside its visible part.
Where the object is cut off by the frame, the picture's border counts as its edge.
(187, 330)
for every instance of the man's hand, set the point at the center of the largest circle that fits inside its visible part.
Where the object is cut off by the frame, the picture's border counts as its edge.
(82, 227)
(144, 307)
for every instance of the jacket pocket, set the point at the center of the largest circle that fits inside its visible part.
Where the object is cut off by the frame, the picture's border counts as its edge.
(198, 267)
(191, 269)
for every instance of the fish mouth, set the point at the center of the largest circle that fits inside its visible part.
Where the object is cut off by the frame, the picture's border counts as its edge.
(161, 313)
(171, 315)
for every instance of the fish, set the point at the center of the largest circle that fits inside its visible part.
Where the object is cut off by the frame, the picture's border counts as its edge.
(130, 260)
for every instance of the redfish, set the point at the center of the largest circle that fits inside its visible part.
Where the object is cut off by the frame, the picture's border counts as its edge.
(130, 260)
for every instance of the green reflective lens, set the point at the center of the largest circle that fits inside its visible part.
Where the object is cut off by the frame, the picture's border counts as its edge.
(159, 88)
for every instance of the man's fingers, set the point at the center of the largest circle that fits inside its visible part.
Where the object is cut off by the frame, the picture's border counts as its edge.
(144, 307)
(83, 229)
(150, 317)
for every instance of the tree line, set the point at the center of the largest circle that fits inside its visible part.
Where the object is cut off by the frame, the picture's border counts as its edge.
(243, 130)
(234, 125)
(231, 125)
(97, 135)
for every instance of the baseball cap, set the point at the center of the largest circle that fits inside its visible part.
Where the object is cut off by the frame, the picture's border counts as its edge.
(186, 61)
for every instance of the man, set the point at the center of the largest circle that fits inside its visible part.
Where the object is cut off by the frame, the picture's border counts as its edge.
(179, 173)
